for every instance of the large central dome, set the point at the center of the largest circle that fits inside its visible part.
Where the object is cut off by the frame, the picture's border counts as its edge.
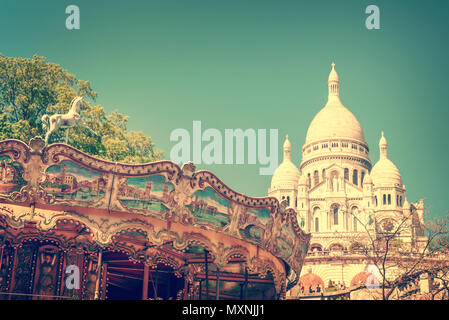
(334, 121)
(335, 134)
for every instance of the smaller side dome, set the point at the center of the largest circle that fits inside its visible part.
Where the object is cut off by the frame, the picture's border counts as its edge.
(286, 176)
(406, 204)
(385, 172)
(367, 179)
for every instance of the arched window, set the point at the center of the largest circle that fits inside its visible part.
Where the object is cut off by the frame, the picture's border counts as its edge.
(400, 201)
(317, 225)
(308, 180)
(355, 177)
(389, 198)
(288, 200)
(316, 178)
(346, 174)
(362, 177)
(397, 200)
(296, 202)
(385, 199)
(355, 224)
(375, 198)
(335, 212)
(323, 174)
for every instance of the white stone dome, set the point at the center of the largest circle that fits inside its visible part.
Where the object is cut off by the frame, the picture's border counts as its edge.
(286, 176)
(367, 179)
(334, 121)
(334, 134)
(385, 172)
(406, 204)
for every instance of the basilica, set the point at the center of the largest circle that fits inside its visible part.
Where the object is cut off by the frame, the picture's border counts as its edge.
(340, 197)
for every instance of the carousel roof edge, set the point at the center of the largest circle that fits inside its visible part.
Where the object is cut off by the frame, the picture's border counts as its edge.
(61, 175)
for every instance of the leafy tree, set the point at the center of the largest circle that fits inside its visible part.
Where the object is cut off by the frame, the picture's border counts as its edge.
(30, 88)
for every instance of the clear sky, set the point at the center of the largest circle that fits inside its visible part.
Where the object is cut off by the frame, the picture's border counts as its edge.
(261, 65)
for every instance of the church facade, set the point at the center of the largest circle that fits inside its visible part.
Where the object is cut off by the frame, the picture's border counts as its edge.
(340, 197)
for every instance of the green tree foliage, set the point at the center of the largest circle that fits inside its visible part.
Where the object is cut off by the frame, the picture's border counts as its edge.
(30, 88)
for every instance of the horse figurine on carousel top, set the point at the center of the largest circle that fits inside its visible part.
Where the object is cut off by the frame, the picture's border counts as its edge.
(71, 119)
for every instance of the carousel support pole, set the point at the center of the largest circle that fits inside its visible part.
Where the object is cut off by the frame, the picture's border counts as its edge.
(245, 291)
(156, 285)
(200, 290)
(217, 295)
(104, 284)
(97, 284)
(241, 290)
(187, 286)
(207, 273)
(146, 275)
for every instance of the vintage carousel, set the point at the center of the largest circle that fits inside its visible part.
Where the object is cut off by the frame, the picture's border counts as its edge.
(151, 231)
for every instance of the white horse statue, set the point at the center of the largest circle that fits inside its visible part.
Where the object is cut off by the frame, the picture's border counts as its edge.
(68, 120)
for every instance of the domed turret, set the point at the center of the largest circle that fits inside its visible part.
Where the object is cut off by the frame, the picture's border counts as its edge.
(287, 174)
(335, 137)
(406, 204)
(367, 180)
(385, 172)
(334, 120)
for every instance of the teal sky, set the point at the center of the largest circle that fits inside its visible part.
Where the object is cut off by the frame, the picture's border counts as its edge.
(258, 64)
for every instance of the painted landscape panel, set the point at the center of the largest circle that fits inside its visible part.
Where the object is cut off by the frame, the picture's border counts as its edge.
(252, 232)
(71, 182)
(210, 207)
(262, 214)
(10, 175)
(145, 194)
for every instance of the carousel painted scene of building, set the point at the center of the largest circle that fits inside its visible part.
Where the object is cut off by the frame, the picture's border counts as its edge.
(76, 227)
